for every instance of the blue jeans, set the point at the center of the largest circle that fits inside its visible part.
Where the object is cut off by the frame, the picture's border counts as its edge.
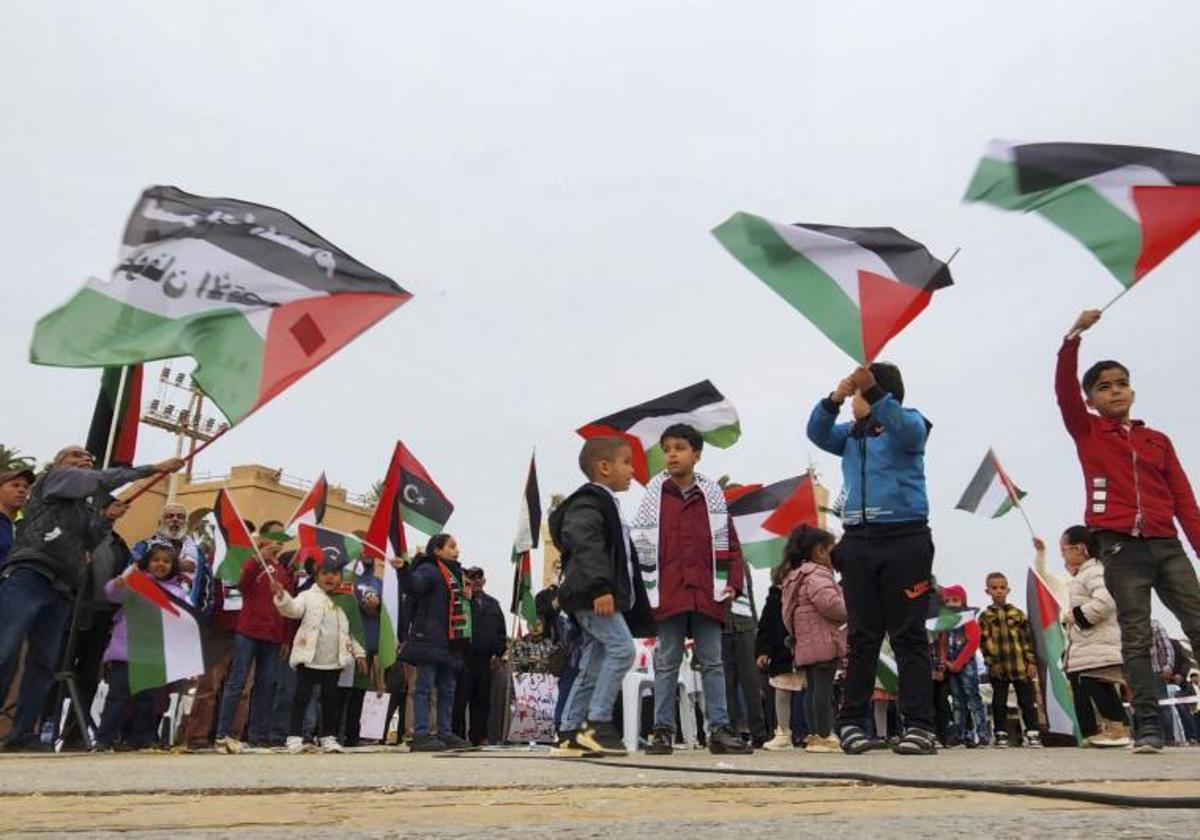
(443, 678)
(607, 656)
(34, 611)
(265, 656)
(706, 634)
(142, 732)
(964, 688)
(565, 683)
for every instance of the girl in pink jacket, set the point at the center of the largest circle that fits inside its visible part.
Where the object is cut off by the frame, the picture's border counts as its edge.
(814, 613)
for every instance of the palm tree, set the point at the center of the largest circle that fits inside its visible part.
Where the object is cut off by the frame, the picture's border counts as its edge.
(371, 497)
(11, 459)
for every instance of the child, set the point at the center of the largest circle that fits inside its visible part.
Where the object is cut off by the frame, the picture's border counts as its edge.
(814, 613)
(1007, 644)
(322, 647)
(886, 554)
(439, 629)
(689, 552)
(162, 564)
(956, 664)
(602, 589)
(1093, 657)
(773, 654)
(1135, 489)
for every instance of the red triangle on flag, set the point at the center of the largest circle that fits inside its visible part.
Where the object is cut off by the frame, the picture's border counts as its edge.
(641, 468)
(1169, 217)
(886, 307)
(796, 510)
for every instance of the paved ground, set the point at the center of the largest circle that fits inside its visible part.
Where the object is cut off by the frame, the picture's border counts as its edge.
(517, 794)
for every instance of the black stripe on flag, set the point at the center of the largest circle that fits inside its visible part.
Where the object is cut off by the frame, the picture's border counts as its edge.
(766, 498)
(1043, 166)
(908, 259)
(533, 502)
(683, 401)
(980, 482)
(422, 497)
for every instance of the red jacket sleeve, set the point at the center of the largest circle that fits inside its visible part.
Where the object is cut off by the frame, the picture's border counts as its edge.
(1067, 390)
(1185, 500)
(968, 651)
(249, 576)
(737, 565)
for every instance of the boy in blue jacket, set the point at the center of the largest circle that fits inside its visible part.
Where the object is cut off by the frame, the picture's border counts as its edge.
(885, 556)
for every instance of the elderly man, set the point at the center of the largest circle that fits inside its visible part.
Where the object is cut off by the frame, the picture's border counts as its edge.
(69, 513)
(14, 492)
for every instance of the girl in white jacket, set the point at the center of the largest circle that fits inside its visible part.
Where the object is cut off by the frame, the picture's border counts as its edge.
(1093, 656)
(322, 648)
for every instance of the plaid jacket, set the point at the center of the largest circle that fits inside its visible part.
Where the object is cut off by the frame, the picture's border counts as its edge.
(1007, 642)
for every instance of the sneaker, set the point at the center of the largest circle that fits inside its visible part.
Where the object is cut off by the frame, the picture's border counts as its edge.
(101, 748)
(916, 741)
(662, 742)
(723, 741)
(294, 744)
(970, 743)
(453, 742)
(1148, 742)
(827, 744)
(1112, 734)
(567, 746)
(426, 743)
(780, 743)
(602, 737)
(229, 746)
(330, 744)
(1033, 739)
(1001, 741)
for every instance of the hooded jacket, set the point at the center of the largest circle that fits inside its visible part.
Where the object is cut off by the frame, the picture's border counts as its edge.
(1094, 639)
(883, 459)
(814, 613)
(310, 607)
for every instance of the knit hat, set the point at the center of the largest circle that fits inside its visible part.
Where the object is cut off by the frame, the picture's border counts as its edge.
(954, 590)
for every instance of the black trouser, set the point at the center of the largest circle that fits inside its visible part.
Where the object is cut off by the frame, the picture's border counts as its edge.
(818, 699)
(327, 679)
(742, 684)
(474, 690)
(1024, 689)
(142, 733)
(1132, 568)
(943, 713)
(1092, 695)
(885, 577)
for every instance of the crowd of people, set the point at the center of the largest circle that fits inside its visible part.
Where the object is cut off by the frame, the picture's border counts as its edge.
(812, 671)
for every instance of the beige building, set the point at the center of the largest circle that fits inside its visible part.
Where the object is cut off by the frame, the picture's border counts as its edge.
(260, 493)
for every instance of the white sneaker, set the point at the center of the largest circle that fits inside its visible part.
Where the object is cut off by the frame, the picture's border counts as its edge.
(1033, 738)
(330, 744)
(229, 746)
(781, 742)
(294, 744)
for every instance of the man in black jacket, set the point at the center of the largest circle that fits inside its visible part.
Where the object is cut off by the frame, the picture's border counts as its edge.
(602, 588)
(488, 642)
(68, 515)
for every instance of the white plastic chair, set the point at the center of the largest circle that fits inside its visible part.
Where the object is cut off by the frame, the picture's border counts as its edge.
(632, 688)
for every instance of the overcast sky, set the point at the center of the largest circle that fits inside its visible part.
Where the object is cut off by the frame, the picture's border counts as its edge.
(543, 177)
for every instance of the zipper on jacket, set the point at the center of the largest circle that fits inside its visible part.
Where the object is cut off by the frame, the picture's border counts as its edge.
(1137, 488)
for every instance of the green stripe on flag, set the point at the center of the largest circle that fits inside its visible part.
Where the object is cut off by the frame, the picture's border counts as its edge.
(144, 640)
(421, 522)
(764, 554)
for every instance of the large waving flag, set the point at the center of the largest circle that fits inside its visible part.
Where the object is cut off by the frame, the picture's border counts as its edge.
(1050, 642)
(232, 543)
(991, 492)
(763, 517)
(311, 509)
(409, 495)
(701, 406)
(166, 636)
(112, 438)
(1131, 206)
(529, 525)
(254, 296)
(859, 286)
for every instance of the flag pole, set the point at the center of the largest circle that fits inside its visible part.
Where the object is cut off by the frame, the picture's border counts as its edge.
(1025, 516)
(1074, 334)
(157, 477)
(116, 418)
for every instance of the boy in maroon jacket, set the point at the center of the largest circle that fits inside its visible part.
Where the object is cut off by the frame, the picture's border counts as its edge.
(1136, 490)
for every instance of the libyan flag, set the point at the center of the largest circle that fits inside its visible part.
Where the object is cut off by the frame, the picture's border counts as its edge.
(991, 492)
(409, 495)
(1050, 643)
(1131, 206)
(763, 517)
(232, 543)
(167, 639)
(701, 406)
(254, 296)
(859, 286)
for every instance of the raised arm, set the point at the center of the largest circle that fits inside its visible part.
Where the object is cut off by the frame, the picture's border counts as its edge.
(1066, 378)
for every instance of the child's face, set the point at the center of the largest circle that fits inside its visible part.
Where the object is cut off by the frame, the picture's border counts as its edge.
(679, 457)
(617, 473)
(1073, 556)
(159, 565)
(954, 602)
(328, 581)
(449, 550)
(1112, 394)
(997, 588)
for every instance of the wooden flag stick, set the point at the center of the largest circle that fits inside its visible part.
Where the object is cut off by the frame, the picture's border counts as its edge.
(157, 477)
(1074, 334)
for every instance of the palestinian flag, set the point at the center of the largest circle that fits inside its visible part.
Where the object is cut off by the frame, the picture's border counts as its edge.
(1050, 642)
(948, 619)
(763, 517)
(166, 636)
(389, 617)
(232, 543)
(409, 495)
(255, 297)
(991, 492)
(124, 415)
(859, 286)
(347, 601)
(1131, 206)
(887, 675)
(312, 509)
(529, 526)
(701, 406)
(523, 603)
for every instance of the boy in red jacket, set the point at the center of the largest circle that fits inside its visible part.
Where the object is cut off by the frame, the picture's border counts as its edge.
(956, 664)
(1136, 489)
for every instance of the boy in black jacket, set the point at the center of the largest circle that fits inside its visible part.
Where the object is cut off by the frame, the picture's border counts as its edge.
(602, 588)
